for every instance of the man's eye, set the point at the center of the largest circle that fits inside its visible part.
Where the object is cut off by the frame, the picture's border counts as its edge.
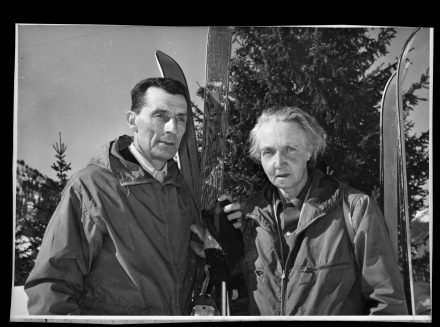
(290, 149)
(162, 116)
(267, 153)
(181, 120)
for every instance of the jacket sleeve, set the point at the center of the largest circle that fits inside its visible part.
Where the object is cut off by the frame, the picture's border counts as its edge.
(55, 283)
(381, 280)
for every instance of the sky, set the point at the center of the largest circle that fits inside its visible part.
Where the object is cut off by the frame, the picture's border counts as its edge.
(76, 79)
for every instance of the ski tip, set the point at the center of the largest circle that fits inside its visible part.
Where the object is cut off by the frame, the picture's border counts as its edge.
(162, 55)
(169, 67)
(163, 58)
(158, 54)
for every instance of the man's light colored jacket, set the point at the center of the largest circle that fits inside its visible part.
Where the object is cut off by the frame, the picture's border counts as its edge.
(117, 244)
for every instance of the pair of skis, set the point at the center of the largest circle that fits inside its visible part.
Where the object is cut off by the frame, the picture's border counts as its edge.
(393, 170)
(206, 185)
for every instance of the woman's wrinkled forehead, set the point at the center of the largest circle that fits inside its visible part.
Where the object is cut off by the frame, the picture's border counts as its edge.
(279, 133)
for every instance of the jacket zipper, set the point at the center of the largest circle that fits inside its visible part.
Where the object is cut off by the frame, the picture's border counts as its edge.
(283, 266)
(284, 269)
(284, 285)
(176, 273)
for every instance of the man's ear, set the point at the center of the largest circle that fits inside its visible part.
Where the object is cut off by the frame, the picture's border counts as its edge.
(130, 116)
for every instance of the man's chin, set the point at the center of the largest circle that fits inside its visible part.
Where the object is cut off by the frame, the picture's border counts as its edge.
(164, 155)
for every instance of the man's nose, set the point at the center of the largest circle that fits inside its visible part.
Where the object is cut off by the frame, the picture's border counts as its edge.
(171, 126)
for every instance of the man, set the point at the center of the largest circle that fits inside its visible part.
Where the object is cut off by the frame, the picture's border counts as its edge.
(301, 259)
(119, 241)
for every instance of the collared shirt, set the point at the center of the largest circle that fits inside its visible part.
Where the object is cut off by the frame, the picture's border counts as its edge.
(288, 211)
(287, 214)
(147, 166)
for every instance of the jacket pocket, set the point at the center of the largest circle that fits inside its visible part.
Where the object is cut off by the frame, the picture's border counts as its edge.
(308, 273)
(307, 276)
(259, 271)
(259, 275)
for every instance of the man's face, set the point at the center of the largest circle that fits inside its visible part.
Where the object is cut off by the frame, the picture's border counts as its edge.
(159, 125)
(284, 149)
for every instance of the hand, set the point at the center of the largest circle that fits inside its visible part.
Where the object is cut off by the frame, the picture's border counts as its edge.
(233, 211)
(233, 214)
(207, 241)
(198, 247)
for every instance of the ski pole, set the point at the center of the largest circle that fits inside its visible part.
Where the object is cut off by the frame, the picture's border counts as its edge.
(225, 302)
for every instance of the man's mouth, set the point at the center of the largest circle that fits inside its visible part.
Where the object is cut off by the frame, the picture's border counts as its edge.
(281, 175)
(167, 143)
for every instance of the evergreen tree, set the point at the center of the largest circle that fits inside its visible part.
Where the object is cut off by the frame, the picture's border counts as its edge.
(417, 163)
(325, 72)
(37, 199)
(417, 167)
(60, 166)
(328, 73)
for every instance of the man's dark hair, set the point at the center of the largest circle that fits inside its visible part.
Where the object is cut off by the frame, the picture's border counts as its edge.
(167, 84)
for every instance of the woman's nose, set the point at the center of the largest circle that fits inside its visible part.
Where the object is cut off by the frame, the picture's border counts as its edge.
(278, 159)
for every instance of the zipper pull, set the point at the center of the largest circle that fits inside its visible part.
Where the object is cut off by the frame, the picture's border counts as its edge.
(283, 294)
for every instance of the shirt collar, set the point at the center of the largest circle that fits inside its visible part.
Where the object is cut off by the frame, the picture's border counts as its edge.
(146, 165)
(299, 200)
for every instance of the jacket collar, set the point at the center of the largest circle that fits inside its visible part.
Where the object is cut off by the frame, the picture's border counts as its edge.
(324, 193)
(129, 173)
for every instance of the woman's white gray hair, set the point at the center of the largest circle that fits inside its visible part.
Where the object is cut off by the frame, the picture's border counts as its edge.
(314, 132)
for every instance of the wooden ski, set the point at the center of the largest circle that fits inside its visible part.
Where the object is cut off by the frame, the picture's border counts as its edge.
(389, 166)
(188, 157)
(208, 185)
(218, 56)
(393, 171)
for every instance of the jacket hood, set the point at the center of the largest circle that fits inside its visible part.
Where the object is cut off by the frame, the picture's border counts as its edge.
(324, 190)
(324, 193)
(109, 158)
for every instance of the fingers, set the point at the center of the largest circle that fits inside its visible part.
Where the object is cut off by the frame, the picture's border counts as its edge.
(233, 213)
(232, 207)
(199, 231)
(198, 249)
(210, 241)
(235, 219)
(237, 224)
(224, 197)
